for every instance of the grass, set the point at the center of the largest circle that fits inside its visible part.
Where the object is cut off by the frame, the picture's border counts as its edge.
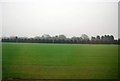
(59, 61)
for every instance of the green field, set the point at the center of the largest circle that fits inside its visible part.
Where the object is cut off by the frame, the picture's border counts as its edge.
(59, 61)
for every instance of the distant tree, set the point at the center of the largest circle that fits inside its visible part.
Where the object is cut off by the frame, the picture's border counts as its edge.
(119, 41)
(111, 37)
(92, 38)
(55, 39)
(102, 37)
(85, 38)
(74, 39)
(62, 37)
(98, 37)
(46, 38)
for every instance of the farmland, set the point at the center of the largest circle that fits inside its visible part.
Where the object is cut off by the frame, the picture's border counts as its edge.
(59, 61)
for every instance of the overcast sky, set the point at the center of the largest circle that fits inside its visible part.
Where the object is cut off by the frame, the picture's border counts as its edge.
(68, 17)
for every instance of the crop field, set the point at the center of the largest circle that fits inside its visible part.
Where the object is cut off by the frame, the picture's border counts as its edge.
(59, 61)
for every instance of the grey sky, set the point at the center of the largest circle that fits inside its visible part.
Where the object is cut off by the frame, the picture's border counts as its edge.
(69, 17)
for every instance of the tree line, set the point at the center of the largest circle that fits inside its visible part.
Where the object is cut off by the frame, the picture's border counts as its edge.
(46, 38)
